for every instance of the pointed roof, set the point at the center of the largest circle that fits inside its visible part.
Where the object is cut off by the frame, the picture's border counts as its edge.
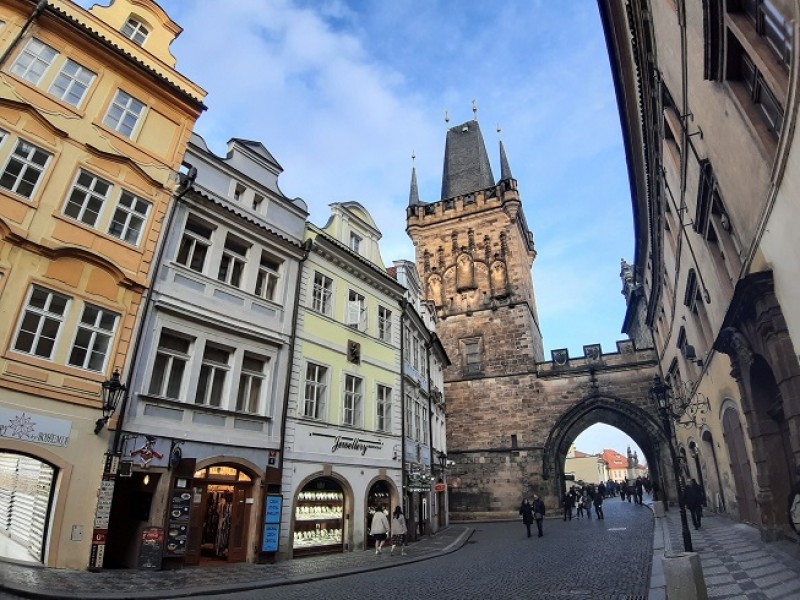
(413, 196)
(466, 164)
(505, 170)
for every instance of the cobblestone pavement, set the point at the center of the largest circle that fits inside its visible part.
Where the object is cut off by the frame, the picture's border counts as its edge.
(575, 560)
(570, 561)
(736, 564)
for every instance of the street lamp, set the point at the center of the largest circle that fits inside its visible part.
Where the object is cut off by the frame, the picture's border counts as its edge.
(112, 390)
(662, 394)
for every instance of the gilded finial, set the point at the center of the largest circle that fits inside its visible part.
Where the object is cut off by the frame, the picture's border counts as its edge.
(446, 116)
(474, 110)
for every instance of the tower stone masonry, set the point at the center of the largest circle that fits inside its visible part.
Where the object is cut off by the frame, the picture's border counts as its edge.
(511, 415)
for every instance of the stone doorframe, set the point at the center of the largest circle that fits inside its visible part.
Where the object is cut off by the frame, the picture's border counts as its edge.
(754, 326)
(642, 426)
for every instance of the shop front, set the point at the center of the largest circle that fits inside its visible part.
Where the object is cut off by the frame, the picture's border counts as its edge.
(378, 498)
(319, 523)
(26, 500)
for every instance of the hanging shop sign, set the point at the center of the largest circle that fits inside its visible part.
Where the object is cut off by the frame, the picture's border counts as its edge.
(31, 427)
(439, 487)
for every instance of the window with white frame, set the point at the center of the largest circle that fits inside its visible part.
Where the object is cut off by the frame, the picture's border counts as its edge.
(314, 395)
(234, 259)
(417, 421)
(93, 338)
(424, 424)
(407, 344)
(41, 322)
(24, 169)
(135, 30)
(194, 245)
(251, 383)
(124, 113)
(384, 324)
(169, 366)
(238, 191)
(129, 217)
(87, 197)
(409, 432)
(213, 373)
(33, 61)
(351, 411)
(355, 243)
(72, 82)
(267, 278)
(356, 310)
(321, 295)
(383, 403)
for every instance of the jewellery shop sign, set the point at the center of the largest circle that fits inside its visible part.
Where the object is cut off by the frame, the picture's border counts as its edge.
(346, 444)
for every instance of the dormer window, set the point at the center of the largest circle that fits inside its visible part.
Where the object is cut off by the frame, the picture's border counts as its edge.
(135, 31)
(355, 243)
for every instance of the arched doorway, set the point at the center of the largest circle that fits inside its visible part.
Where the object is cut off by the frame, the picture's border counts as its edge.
(319, 518)
(740, 465)
(26, 498)
(714, 490)
(378, 498)
(771, 438)
(222, 515)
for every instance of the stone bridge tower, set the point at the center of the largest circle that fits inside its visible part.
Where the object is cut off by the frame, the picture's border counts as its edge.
(511, 416)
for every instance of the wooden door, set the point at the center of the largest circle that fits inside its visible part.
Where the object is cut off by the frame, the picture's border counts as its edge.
(196, 521)
(740, 466)
(240, 517)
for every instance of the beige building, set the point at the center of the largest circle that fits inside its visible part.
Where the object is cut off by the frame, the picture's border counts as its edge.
(586, 468)
(94, 120)
(708, 99)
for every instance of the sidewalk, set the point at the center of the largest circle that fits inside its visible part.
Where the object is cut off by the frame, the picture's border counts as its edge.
(38, 582)
(736, 563)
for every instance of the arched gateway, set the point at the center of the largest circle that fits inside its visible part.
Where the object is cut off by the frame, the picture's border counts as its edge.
(511, 415)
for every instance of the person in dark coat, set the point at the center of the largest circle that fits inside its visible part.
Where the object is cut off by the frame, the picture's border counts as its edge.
(538, 513)
(526, 510)
(694, 497)
(598, 505)
(567, 504)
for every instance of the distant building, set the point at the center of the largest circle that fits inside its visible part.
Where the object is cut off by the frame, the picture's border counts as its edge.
(588, 468)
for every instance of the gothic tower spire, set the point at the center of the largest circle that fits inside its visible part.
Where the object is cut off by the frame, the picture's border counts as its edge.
(466, 163)
(505, 169)
(413, 195)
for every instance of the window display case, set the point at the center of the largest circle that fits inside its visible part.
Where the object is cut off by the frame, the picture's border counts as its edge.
(318, 522)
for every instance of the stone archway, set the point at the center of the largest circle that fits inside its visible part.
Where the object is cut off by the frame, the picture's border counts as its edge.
(632, 420)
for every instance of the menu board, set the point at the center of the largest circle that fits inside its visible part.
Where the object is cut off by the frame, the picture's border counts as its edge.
(176, 539)
(273, 510)
(181, 506)
(271, 534)
(151, 548)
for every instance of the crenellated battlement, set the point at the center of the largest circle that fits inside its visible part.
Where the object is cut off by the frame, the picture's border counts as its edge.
(503, 193)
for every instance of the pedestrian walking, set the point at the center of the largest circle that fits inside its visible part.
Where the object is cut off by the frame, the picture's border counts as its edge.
(399, 530)
(598, 506)
(639, 486)
(379, 529)
(694, 497)
(526, 511)
(538, 513)
(566, 504)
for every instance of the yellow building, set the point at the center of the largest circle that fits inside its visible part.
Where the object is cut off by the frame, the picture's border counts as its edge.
(94, 121)
(343, 455)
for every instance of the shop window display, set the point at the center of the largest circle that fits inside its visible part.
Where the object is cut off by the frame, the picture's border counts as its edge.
(319, 519)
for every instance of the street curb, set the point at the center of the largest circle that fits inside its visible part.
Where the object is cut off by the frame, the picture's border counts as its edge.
(454, 546)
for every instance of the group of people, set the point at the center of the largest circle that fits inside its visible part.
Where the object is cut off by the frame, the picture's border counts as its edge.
(584, 499)
(381, 529)
(531, 512)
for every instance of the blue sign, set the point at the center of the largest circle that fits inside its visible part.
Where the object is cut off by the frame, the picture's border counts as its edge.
(273, 511)
(271, 534)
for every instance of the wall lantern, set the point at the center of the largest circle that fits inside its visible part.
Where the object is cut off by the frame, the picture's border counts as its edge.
(113, 390)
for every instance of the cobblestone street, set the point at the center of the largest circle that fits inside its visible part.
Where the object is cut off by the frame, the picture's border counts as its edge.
(583, 558)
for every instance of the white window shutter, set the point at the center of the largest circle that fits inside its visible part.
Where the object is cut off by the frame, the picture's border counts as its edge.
(353, 313)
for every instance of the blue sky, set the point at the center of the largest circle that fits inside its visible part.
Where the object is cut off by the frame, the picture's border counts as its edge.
(343, 92)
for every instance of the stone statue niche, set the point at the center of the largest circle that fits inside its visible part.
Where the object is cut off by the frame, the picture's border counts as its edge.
(499, 279)
(435, 290)
(465, 273)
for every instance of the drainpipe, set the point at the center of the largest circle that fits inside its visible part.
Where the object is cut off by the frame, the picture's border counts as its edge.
(431, 494)
(40, 6)
(403, 304)
(186, 183)
(307, 244)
